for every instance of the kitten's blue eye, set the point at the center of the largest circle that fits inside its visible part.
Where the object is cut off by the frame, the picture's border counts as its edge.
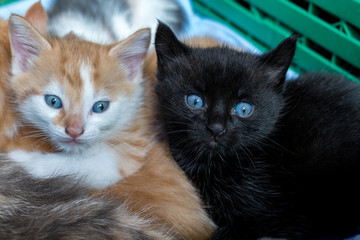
(243, 109)
(53, 101)
(100, 106)
(194, 101)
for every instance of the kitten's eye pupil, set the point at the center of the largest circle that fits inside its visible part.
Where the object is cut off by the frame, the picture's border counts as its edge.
(243, 109)
(100, 106)
(194, 101)
(53, 101)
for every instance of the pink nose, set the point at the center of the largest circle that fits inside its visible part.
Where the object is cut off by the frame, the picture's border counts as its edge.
(74, 132)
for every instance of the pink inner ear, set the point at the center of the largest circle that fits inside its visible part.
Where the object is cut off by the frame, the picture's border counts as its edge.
(131, 52)
(133, 64)
(26, 43)
(23, 53)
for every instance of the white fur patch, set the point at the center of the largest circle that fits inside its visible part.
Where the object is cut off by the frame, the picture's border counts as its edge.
(122, 27)
(83, 27)
(97, 167)
(147, 15)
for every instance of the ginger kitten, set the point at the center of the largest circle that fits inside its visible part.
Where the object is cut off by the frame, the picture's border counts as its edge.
(55, 208)
(81, 111)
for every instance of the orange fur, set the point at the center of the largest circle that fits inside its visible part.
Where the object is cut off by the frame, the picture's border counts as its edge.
(154, 184)
(37, 16)
(161, 190)
(6, 117)
(8, 126)
(202, 42)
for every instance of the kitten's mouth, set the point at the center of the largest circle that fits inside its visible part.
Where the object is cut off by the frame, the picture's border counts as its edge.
(213, 143)
(73, 142)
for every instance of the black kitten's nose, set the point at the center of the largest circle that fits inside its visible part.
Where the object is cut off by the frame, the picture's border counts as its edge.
(216, 128)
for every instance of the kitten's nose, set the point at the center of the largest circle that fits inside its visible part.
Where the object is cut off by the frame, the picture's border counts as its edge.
(216, 128)
(74, 132)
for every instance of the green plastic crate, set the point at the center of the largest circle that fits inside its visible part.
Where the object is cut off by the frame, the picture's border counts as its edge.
(330, 29)
(3, 2)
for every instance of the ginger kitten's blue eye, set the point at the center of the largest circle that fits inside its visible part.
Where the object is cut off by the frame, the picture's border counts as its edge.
(53, 101)
(100, 106)
(194, 101)
(243, 109)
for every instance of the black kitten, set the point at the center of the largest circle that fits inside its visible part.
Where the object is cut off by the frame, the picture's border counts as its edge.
(262, 152)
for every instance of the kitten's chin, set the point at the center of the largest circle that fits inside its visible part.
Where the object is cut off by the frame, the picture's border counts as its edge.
(74, 146)
(213, 144)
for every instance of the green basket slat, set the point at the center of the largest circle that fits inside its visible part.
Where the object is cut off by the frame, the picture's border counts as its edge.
(348, 10)
(247, 21)
(3, 2)
(264, 30)
(315, 29)
(205, 11)
(310, 60)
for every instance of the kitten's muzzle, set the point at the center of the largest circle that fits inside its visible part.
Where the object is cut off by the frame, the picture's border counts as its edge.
(74, 132)
(216, 129)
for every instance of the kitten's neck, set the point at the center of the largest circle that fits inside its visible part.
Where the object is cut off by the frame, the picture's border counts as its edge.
(211, 166)
(133, 144)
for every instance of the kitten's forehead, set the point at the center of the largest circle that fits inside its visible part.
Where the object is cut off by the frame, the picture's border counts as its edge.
(72, 80)
(224, 69)
(83, 63)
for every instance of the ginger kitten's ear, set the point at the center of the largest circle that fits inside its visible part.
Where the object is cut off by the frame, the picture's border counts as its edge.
(26, 44)
(71, 35)
(131, 53)
(36, 15)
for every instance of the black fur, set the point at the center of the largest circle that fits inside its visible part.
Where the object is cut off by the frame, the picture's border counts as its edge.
(267, 174)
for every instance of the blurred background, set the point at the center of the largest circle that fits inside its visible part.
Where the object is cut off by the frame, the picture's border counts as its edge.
(329, 29)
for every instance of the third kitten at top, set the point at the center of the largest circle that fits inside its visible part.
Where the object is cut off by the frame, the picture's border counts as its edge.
(113, 20)
(270, 158)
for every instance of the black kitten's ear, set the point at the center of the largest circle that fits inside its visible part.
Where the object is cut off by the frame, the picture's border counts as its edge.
(277, 61)
(167, 45)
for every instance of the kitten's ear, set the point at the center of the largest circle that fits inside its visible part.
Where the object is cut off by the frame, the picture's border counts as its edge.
(277, 62)
(167, 45)
(71, 35)
(131, 52)
(36, 15)
(26, 44)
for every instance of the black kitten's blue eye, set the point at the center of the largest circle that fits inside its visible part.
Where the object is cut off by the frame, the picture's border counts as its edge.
(243, 109)
(194, 101)
(53, 101)
(100, 106)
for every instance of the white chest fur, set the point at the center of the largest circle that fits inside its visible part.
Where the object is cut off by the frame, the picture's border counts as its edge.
(98, 167)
